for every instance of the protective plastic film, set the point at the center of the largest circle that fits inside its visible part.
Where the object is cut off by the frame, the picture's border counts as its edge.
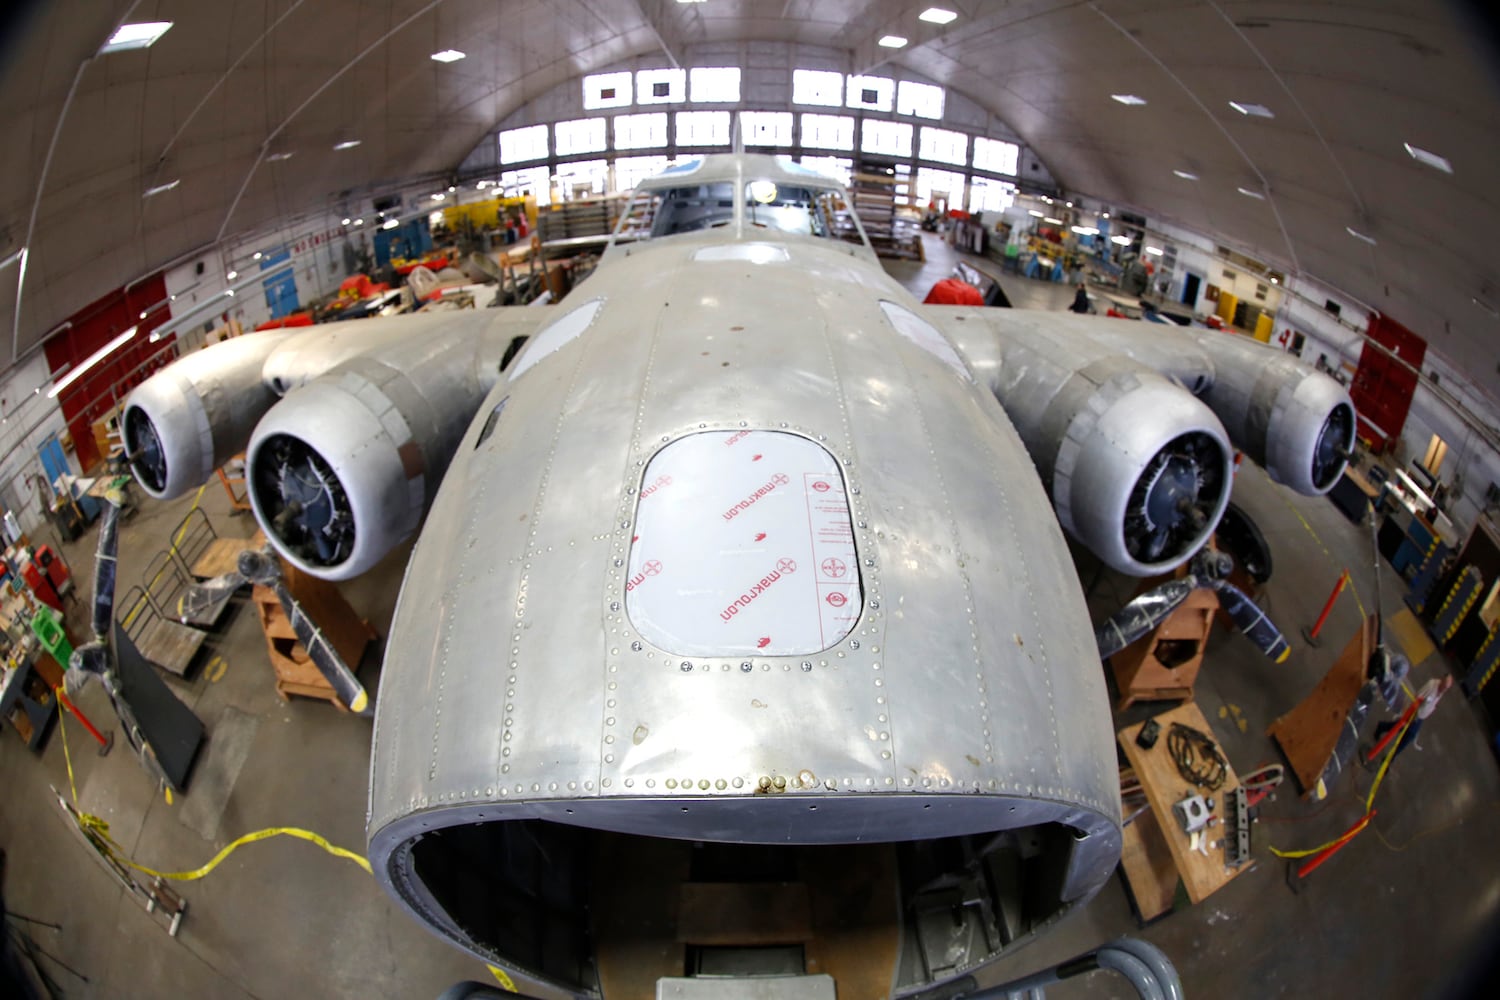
(743, 545)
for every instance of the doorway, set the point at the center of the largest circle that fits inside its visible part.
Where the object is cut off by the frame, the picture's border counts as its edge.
(1190, 289)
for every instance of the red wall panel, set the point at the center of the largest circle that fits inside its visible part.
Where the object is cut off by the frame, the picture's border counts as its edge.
(1383, 385)
(91, 397)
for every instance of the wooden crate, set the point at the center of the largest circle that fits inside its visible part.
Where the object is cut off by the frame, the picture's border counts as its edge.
(349, 635)
(1163, 665)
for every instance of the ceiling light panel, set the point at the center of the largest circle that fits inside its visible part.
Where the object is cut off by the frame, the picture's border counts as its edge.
(448, 56)
(1252, 194)
(892, 42)
(161, 188)
(347, 144)
(135, 36)
(1360, 236)
(1185, 175)
(1253, 110)
(1129, 99)
(1426, 158)
(937, 15)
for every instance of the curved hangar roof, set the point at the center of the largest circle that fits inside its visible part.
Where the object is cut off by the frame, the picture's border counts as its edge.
(242, 102)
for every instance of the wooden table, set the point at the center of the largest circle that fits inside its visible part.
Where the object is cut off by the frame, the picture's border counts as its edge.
(1156, 855)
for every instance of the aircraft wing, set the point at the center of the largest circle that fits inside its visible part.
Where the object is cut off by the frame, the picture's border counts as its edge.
(347, 428)
(1137, 468)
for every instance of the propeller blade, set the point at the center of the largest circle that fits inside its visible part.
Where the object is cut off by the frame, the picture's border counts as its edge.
(1141, 615)
(350, 691)
(1251, 620)
(199, 599)
(104, 571)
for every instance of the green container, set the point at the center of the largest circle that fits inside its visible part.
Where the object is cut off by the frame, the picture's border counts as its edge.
(47, 625)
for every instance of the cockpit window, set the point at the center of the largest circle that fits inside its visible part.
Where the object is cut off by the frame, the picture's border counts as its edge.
(803, 209)
(809, 211)
(657, 212)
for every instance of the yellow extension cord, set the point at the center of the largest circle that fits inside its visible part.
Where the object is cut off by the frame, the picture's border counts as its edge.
(96, 830)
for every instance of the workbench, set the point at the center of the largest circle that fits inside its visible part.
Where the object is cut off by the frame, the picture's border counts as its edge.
(1156, 856)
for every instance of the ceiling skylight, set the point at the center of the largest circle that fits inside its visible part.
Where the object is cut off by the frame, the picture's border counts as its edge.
(135, 36)
(1432, 160)
(937, 15)
(1129, 99)
(891, 42)
(448, 56)
(346, 144)
(1252, 194)
(1185, 175)
(161, 188)
(1360, 236)
(278, 157)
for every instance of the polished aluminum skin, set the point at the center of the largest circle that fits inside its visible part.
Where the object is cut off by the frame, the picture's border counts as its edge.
(519, 695)
(202, 408)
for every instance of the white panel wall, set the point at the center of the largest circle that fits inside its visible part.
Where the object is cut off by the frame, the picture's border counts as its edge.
(29, 418)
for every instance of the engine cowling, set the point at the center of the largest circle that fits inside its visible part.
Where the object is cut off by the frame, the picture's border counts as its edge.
(188, 419)
(1293, 420)
(1139, 469)
(345, 467)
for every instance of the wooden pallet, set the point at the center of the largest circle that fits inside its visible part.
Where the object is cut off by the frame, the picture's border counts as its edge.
(349, 635)
(222, 555)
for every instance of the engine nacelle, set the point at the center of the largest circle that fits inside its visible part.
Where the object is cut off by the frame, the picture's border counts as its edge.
(187, 420)
(345, 467)
(1138, 468)
(1292, 419)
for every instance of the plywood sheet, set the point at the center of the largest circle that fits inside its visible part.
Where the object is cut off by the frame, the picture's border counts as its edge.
(1309, 732)
(1202, 875)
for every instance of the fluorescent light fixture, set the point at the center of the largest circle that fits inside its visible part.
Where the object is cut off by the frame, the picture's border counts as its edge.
(391, 224)
(256, 255)
(278, 157)
(7, 262)
(1253, 110)
(1123, 241)
(229, 292)
(93, 360)
(891, 42)
(1275, 280)
(1032, 211)
(448, 56)
(1251, 194)
(143, 314)
(135, 36)
(1129, 99)
(1070, 204)
(161, 188)
(1185, 175)
(359, 222)
(439, 196)
(344, 223)
(1055, 222)
(1154, 251)
(1360, 236)
(232, 275)
(452, 188)
(937, 15)
(346, 144)
(1104, 216)
(1432, 160)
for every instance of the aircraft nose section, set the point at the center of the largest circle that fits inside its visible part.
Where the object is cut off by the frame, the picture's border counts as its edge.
(743, 546)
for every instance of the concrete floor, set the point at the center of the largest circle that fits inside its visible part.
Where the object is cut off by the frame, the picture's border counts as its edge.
(1402, 910)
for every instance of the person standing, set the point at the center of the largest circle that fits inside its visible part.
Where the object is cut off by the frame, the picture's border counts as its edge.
(1427, 698)
(1080, 300)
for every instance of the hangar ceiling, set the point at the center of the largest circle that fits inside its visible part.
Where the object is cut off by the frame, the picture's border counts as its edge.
(242, 102)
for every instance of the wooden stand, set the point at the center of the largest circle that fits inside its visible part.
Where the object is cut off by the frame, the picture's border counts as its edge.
(1156, 854)
(346, 632)
(1308, 733)
(1164, 664)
